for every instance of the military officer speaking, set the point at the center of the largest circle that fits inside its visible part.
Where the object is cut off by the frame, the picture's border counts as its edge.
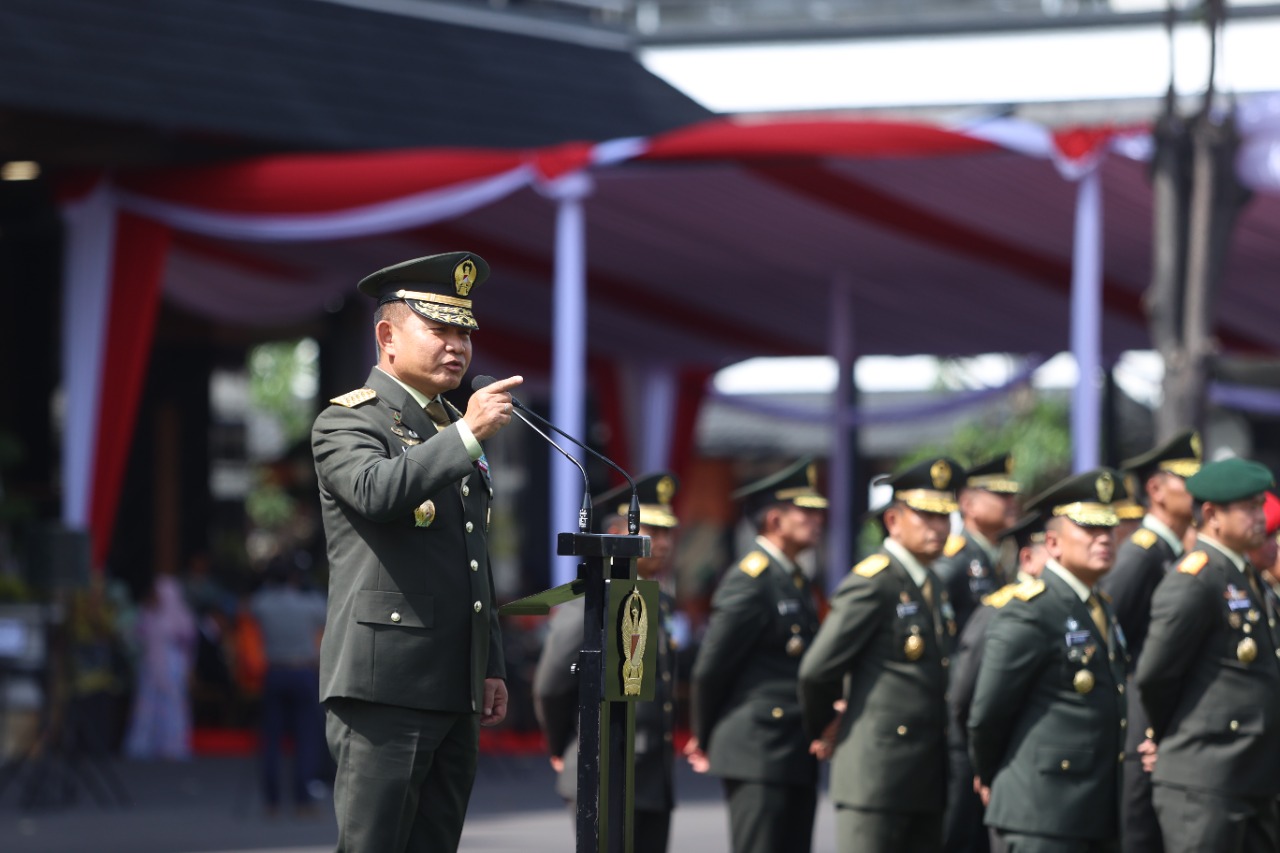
(555, 688)
(1141, 563)
(1210, 676)
(1048, 712)
(746, 715)
(411, 660)
(883, 653)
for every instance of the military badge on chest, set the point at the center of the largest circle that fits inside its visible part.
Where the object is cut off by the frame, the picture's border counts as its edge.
(1242, 616)
(1080, 651)
(424, 514)
(398, 429)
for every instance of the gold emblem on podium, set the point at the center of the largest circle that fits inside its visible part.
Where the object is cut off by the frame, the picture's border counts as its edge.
(635, 632)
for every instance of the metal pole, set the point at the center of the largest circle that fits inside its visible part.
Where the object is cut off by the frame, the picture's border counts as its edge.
(1086, 321)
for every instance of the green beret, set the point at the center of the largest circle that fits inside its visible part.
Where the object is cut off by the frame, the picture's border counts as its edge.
(1084, 498)
(1228, 480)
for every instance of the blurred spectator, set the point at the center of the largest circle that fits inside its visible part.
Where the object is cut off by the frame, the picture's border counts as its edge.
(160, 726)
(98, 670)
(291, 620)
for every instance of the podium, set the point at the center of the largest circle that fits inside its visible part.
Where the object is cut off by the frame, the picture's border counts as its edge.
(616, 668)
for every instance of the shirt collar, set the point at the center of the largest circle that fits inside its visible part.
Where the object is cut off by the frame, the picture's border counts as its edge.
(918, 572)
(777, 555)
(1077, 585)
(418, 397)
(1235, 558)
(985, 544)
(1163, 530)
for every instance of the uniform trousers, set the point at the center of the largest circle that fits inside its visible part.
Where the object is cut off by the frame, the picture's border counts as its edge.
(1140, 829)
(1020, 842)
(962, 828)
(404, 776)
(768, 818)
(875, 831)
(1199, 821)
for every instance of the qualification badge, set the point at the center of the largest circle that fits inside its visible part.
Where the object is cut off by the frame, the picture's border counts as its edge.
(1246, 650)
(913, 648)
(424, 514)
(795, 643)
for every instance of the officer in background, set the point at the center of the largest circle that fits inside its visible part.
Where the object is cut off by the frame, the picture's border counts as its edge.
(1210, 677)
(964, 820)
(411, 662)
(1141, 563)
(1130, 509)
(745, 710)
(1048, 712)
(883, 652)
(970, 563)
(555, 687)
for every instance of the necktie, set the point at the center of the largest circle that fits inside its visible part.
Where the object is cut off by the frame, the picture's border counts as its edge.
(435, 411)
(927, 591)
(1252, 574)
(1099, 615)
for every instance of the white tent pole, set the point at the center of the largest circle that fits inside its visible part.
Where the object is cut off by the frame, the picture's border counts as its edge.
(568, 360)
(840, 530)
(1086, 322)
(658, 414)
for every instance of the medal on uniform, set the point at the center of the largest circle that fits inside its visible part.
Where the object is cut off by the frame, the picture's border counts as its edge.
(795, 646)
(1246, 650)
(424, 514)
(1083, 681)
(913, 648)
(1234, 620)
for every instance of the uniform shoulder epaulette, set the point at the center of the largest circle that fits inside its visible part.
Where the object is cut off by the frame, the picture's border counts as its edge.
(1193, 563)
(351, 399)
(1001, 596)
(1143, 537)
(754, 563)
(955, 544)
(871, 566)
(1028, 590)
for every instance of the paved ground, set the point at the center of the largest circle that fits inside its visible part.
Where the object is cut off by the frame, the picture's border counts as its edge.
(210, 805)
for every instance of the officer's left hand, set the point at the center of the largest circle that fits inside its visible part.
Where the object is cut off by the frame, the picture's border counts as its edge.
(495, 702)
(1147, 749)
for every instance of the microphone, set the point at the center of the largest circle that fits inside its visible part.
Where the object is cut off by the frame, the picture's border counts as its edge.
(584, 514)
(633, 511)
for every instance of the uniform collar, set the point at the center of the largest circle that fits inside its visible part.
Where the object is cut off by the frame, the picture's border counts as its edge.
(985, 544)
(418, 397)
(1236, 559)
(918, 572)
(1163, 530)
(1077, 585)
(778, 557)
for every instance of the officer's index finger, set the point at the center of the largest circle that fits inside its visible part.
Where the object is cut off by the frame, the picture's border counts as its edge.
(501, 385)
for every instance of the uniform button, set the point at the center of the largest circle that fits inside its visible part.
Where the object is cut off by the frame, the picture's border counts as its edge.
(475, 565)
(1066, 765)
(1120, 759)
(470, 527)
(1124, 724)
(395, 615)
(1248, 629)
(1120, 687)
(902, 730)
(667, 706)
(666, 676)
(776, 712)
(946, 662)
(1235, 724)
(478, 606)
(466, 490)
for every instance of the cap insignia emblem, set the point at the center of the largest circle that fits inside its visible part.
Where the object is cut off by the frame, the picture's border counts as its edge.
(1106, 487)
(666, 490)
(464, 276)
(1195, 445)
(941, 474)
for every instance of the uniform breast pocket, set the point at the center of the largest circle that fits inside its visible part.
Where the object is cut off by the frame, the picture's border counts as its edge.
(394, 609)
(1064, 760)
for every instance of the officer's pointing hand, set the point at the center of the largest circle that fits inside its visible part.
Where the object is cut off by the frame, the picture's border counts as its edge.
(489, 408)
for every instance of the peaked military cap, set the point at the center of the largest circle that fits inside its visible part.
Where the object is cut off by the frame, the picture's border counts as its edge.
(1181, 455)
(1128, 507)
(438, 286)
(796, 484)
(654, 491)
(1084, 498)
(994, 475)
(928, 486)
(1028, 530)
(1228, 480)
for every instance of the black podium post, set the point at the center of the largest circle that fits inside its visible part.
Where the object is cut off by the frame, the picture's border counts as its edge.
(606, 720)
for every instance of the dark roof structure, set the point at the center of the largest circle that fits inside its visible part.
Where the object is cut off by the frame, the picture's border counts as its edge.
(184, 79)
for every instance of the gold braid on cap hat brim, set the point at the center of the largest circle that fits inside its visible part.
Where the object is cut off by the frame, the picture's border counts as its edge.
(1182, 467)
(927, 500)
(1088, 514)
(652, 515)
(997, 483)
(803, 497)
(1128, 510)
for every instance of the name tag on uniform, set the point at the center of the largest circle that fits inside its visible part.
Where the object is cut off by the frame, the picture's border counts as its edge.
(1077, 638)
(788, 605)
(908, 608)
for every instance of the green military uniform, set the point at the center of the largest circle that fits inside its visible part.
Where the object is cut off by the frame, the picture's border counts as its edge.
(555, 687)
(412, 628)
(1210, 681)
(746, 714)
(884, 648)
(1048, 711)
(1141, 563)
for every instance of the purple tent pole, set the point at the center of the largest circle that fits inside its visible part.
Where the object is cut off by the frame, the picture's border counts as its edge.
(1086, 322)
